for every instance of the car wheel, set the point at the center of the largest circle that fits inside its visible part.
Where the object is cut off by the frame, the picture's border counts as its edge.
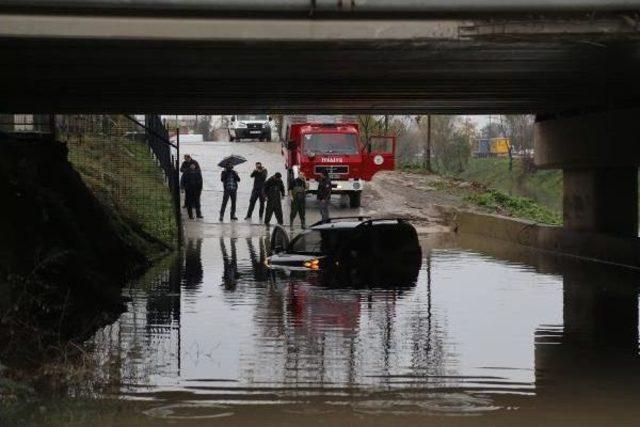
(354, 199)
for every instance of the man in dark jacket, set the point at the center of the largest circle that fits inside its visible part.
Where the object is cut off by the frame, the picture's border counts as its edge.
(274, 191)
(259, 176)
(191, 182)
(324, 195)
(298, 192)
(230, 180)
(186, 164)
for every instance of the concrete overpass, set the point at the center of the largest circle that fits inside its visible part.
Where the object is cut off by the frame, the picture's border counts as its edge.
(197, 56)
(574, 63)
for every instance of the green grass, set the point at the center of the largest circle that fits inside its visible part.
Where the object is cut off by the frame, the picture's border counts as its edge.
(542, 186)
(515, 206)
(536, 196)
(124, 176)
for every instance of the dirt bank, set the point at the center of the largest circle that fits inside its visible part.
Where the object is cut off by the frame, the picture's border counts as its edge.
(432, 201)
(63, 255)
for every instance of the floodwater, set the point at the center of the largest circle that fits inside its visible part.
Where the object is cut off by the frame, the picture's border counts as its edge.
(477, 339)
(488, 334)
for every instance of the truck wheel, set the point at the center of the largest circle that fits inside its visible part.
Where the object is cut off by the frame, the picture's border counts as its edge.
(354, 199)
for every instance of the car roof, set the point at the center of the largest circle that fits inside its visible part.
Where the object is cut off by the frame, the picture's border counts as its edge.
(334, 225)
(347, 224)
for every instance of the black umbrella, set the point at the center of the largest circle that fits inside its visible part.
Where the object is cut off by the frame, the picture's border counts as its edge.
(234, 159)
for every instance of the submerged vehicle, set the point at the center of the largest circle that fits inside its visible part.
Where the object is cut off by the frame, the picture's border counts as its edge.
(357, 250)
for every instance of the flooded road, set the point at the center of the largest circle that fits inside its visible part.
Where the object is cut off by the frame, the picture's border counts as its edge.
(488, 335)
(477, 337)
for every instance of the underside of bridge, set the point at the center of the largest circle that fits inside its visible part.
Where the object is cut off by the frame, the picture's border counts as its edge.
(215, 56)
(575, 64)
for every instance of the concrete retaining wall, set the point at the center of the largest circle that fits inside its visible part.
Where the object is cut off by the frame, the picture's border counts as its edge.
(583, 244)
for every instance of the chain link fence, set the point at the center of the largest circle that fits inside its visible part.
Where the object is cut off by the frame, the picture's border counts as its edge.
(128, 166)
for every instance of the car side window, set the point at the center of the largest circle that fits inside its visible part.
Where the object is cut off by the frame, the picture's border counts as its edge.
(309, 242)
(391, 238)
(359, 245)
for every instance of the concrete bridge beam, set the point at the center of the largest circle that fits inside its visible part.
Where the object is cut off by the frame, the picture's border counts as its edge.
(599, 156)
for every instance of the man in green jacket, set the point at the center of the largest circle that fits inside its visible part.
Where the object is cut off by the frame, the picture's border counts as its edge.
(297, 193)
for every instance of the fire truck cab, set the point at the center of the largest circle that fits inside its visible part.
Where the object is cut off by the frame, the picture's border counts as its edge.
(311, 148)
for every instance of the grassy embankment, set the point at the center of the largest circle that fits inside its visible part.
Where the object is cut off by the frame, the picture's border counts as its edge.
(124, 177)
(73, 233)
(535, 196)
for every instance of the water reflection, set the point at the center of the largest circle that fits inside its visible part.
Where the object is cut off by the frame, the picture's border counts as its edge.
(590, 363)
(193, 272)
(259, 270)
(513, 325)
(230, 275)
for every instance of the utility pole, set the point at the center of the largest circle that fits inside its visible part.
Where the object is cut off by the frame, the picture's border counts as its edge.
(426, 156)
(428, 165)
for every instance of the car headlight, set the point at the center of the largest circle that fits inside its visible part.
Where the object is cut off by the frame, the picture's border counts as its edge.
(314, 264)
(241, 125)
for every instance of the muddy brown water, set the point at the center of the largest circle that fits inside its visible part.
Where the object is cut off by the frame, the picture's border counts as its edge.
(489, 334)
(504, 337)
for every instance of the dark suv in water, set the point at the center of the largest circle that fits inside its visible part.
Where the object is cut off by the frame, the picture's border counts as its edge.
(372, 251)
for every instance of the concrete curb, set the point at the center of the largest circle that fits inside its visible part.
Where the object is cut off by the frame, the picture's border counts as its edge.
(596, 246)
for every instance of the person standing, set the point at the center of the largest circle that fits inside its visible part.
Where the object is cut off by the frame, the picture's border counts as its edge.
(191, 182)
(184, 167)
(274, 191)
(230, 180)
(259, 176)
(324, 195)
(297, 193)
(187, 162)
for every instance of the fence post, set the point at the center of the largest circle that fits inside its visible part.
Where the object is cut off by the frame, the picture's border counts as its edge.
(52, 126)
(177, 187)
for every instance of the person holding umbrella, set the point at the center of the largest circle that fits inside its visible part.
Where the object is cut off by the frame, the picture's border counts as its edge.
(274, 190)
(230, 180)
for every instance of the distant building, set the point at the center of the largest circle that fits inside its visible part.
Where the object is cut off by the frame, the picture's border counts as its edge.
(25, 123)
(492, 147)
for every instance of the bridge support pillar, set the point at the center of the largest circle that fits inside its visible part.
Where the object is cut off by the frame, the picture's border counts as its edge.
(599, 154)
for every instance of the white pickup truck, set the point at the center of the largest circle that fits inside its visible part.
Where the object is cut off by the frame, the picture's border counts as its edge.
(250, 126)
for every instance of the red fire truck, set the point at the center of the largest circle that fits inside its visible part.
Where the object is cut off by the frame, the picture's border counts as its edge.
(312, 144)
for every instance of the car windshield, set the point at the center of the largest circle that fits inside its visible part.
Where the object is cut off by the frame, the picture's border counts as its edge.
(330, 143)
(253, 117)
(320, 241)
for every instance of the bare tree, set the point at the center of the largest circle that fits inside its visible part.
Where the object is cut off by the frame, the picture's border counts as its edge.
(519, 130)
